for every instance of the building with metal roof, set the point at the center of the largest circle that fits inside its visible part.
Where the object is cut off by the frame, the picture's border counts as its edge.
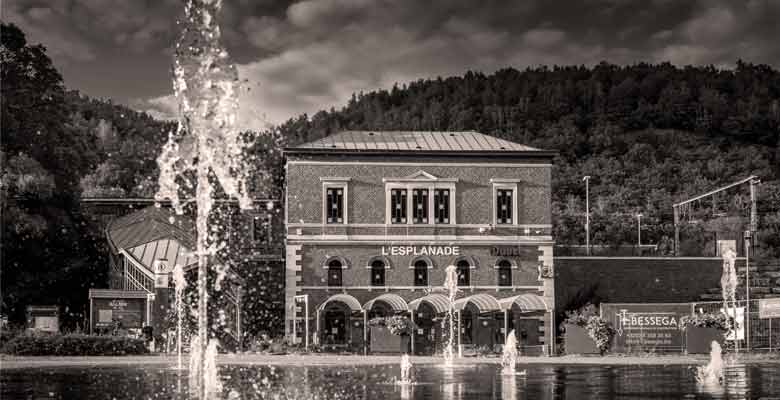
(373, 219)
(417, 142)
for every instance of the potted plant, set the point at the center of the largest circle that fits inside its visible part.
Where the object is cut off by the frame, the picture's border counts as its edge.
(702, 329)
(586, 332)
(391, 334)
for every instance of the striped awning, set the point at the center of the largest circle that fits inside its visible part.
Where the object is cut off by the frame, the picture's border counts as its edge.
(396, 302)
(526, 302)
(440, 302)
(484, 302)
(350, 301)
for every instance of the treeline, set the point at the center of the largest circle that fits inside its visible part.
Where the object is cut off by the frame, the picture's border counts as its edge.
(57, 145)
(649, 135)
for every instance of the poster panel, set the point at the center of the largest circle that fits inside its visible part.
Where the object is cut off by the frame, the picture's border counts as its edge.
(646, 327)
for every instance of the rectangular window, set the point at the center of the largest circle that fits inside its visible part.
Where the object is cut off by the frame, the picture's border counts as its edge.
(504, 206)
(441, 206)
(334, 205)
(261, 229)
(420, 206)
(398, 206)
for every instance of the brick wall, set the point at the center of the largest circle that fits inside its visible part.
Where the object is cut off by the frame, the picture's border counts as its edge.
(358, 256)
(366, 203)
(635, 280)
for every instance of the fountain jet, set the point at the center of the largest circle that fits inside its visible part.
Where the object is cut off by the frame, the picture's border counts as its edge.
(712, 373)
(451, 286)
(205, 152)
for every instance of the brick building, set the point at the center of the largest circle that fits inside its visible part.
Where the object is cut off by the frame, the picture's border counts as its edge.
(374, 218)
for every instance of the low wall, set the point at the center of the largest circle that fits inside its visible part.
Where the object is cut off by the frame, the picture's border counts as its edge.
(579, 280)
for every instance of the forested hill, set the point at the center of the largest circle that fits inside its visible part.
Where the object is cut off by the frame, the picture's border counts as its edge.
(649, 135)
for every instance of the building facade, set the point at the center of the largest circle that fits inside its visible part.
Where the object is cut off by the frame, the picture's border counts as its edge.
(374, 218)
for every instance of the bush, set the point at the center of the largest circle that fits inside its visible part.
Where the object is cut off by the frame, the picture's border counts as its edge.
(706, 320)
(598, 329)
(400, 325)
(36, 344)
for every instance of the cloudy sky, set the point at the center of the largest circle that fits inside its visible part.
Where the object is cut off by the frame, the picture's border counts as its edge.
(307, 55)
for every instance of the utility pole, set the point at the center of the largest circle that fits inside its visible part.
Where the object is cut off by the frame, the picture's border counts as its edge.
(749, 239)
(586, 178)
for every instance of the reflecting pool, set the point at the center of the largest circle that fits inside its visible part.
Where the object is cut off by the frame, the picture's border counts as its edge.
(479, 381)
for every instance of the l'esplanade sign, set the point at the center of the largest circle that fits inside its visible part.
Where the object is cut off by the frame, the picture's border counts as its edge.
(420, 250)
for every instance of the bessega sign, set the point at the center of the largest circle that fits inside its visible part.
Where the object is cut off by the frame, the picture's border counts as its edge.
(420, 250)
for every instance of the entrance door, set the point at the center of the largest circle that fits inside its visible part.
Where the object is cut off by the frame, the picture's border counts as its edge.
(425, 343)
(335, 328)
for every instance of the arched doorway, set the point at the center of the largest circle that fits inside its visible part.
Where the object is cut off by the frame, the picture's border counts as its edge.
(335, 323)
(339, 323)
(427, 313)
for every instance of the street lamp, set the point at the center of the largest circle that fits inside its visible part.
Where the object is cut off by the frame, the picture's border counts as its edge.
(639, 230)
(586, 178)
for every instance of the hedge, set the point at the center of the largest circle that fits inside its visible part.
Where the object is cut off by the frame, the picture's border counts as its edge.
(73, 345)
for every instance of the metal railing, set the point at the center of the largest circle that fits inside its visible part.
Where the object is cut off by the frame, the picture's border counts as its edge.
(759, 334)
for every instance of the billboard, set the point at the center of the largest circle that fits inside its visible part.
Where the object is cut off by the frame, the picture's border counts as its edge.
(643, 327)
(128, 312)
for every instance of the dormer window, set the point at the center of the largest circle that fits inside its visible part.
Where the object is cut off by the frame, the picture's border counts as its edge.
(420, 199)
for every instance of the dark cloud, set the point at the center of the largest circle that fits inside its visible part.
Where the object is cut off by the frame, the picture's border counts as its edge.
(313, 54)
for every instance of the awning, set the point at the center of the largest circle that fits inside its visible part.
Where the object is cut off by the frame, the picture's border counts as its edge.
(526, 302)
(440, 302)
(484, 302)
(396, 302)
(350, 301)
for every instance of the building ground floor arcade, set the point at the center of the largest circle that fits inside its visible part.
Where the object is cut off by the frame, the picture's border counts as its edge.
(333, 292)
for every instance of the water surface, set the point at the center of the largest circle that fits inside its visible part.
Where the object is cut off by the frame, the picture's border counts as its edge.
(481, 381)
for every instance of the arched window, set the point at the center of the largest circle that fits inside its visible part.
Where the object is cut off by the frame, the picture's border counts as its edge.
(420, 273)
(334, 273)
(378, 273)
(504, 273)
(464, 273)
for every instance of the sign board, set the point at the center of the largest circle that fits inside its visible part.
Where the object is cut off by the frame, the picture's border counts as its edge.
(646, 327)
(769, 308)
(526, 252)
(128, 312)
(161, 273)
(739, 322)
(420, 250)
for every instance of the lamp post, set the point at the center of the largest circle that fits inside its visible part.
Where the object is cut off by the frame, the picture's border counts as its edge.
(586, 178)
(639, 230)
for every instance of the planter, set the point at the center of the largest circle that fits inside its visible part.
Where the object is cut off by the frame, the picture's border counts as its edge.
(698, 340)
(382, 341)
(406, 344)
(577, 341)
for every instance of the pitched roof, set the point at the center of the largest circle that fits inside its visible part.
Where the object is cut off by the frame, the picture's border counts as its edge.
(148, 225)
(413, 141)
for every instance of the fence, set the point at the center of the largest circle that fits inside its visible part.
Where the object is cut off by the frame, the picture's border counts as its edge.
(759, 334)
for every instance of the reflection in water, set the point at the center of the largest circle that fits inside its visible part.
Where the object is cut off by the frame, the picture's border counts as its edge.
(376, 382)
(508, 387)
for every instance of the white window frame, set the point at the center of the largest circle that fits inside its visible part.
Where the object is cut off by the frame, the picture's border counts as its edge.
(335, 183)
(420, 180)
(505, 184)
